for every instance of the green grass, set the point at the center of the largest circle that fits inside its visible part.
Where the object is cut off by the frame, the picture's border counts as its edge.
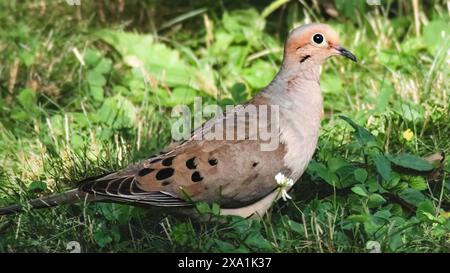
(63, 119)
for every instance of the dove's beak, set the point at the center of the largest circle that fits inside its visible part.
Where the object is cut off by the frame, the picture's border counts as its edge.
(344, 52)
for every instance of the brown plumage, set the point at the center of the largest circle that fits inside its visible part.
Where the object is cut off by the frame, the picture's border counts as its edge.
(237, 174)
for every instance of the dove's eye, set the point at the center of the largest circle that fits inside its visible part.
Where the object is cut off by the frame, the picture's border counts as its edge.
(318, 38)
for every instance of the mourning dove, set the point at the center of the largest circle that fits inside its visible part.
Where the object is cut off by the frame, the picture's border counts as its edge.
(236, 173)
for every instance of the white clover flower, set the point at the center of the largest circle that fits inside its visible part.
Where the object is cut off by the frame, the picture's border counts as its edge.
(284, 184)
(373, 247)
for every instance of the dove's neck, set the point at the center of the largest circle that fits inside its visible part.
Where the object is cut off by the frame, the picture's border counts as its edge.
(297, 93)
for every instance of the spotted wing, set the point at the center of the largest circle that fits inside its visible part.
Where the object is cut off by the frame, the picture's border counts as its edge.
(232, 173)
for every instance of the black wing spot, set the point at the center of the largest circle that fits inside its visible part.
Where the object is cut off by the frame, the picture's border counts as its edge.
(212, 161)
(167, 161)
(164, 173)
(165, 183)
(190, 163)
(255, 164)
(145, 171)
(196, 177)
(155, 160)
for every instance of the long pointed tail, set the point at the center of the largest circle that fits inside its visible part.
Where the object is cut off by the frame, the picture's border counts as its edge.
(68, 197)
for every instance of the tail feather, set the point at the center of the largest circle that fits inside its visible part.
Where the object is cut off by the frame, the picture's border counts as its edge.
(68, 197)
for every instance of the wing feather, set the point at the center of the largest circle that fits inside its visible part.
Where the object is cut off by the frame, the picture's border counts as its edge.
(124, 189)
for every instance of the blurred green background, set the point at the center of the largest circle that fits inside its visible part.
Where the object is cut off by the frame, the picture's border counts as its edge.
(89, 88)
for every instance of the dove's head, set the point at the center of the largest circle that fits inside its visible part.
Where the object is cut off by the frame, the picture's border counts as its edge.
(313, 44)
